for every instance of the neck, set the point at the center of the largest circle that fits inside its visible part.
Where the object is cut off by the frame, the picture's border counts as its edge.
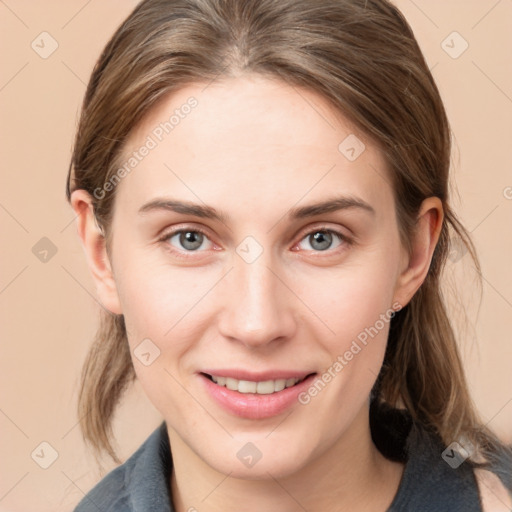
(350, 474)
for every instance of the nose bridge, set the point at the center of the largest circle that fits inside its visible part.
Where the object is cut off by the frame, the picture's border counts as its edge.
(257, 309)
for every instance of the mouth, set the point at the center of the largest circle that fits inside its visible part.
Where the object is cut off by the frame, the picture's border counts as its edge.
(262, 387)
(255, 396)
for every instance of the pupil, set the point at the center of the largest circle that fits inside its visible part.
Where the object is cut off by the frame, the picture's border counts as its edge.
(191, 240)
(323, 238)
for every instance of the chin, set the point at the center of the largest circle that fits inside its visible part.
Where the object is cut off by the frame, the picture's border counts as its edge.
(277, 466)
(258, 458)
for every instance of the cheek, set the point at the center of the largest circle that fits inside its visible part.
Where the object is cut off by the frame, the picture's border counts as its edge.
(159, 303)
(358, 312)
(166, 304)
(352, 298)
(161, 300)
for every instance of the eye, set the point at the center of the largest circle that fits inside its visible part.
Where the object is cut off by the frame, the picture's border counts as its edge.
(182, 241)
(322, 239)
(186, 240)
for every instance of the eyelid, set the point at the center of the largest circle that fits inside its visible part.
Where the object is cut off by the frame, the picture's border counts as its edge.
(323, 227)
(345, 239)
(182, 254)
(180, 229)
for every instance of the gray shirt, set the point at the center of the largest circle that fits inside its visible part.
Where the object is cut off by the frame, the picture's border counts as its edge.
(429, 483)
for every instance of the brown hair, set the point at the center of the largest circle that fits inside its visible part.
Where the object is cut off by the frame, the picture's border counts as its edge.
(362, 57)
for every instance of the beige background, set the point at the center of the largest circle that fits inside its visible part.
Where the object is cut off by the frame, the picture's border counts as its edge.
(48, 308)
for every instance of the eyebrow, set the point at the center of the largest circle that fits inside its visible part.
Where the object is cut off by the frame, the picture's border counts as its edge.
(208, 212)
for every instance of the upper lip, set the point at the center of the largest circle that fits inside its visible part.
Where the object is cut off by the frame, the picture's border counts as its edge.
(240, 374)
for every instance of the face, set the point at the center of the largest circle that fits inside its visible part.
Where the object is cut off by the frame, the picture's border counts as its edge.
(246, 282)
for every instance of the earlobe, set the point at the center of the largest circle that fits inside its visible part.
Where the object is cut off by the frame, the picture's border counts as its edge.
(93, 242)
(423, 243)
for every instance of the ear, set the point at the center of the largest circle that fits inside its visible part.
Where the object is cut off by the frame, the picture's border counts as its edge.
(93, 242)
(415, 265)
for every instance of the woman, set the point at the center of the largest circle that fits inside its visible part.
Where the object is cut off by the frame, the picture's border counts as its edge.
(262, 195)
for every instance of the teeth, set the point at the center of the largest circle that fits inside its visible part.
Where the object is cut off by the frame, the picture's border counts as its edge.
(265, 387)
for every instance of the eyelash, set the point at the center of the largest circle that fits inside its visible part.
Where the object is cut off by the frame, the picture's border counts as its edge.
(346, 241)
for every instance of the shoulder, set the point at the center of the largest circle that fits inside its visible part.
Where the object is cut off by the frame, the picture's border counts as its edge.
(141, 480)
(493, 494)
(110, 493)
(431, 480)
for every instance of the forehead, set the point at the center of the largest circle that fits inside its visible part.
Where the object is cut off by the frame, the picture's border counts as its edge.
(251, 138)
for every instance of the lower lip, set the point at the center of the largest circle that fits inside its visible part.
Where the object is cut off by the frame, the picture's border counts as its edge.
(252, 405)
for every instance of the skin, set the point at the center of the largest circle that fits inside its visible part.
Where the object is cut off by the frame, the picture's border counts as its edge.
(255, 148)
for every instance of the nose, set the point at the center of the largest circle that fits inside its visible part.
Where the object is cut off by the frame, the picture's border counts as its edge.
(257, 304)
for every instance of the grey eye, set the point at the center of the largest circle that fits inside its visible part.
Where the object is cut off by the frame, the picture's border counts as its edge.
(321, 240)
(189, 240)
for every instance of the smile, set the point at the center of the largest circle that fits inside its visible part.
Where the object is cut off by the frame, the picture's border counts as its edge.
(255, 396)
(265, 387)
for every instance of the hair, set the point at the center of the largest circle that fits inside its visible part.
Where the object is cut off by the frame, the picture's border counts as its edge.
(363, 59)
